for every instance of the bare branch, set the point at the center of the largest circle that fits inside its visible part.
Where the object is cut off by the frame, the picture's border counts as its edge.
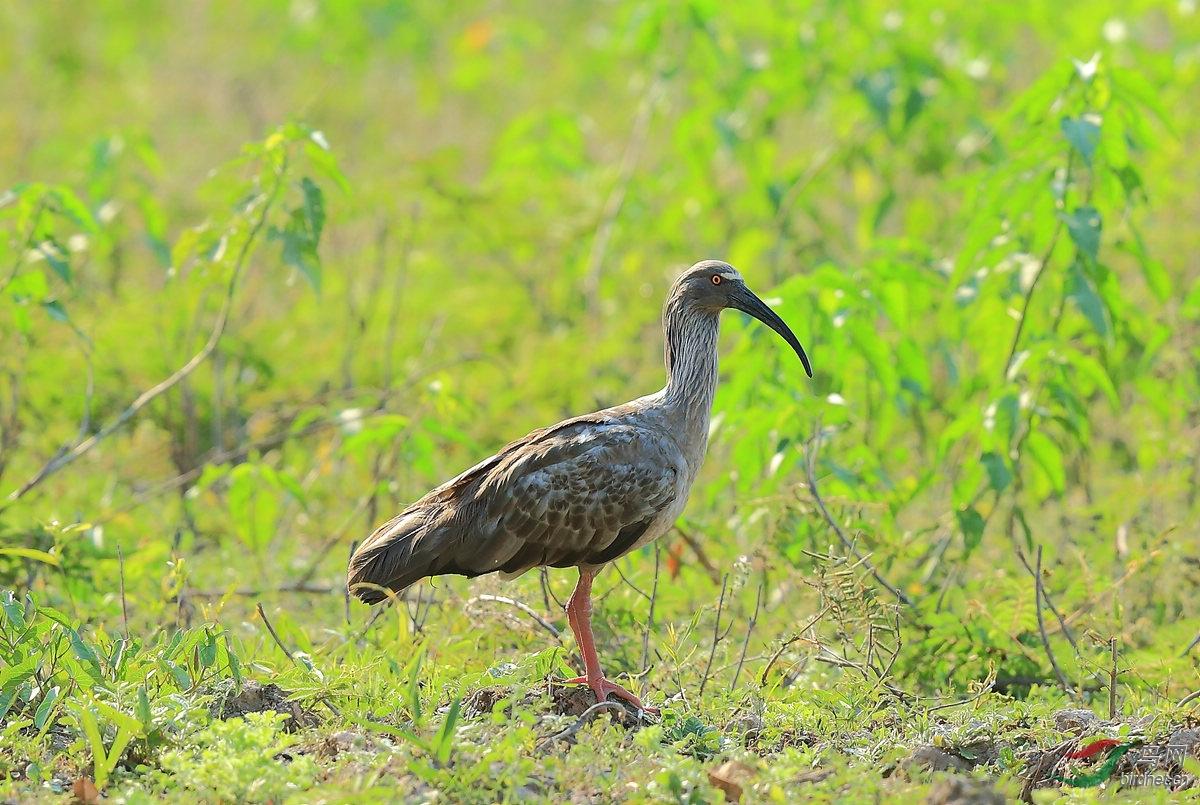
(271, 629)
(81, 448)
(698, 549)
(1046, 255)
(650, 615)
(616, 197)
(528, 610)
(813, 450)
(1040, 595)
(758, 598)
(124, 607)
(762, 680)
(989, 685)
(1112, 680)
(717, 636)
(1062, 624)
(583, 719)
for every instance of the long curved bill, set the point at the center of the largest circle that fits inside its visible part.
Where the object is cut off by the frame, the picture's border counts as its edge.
(745, 301)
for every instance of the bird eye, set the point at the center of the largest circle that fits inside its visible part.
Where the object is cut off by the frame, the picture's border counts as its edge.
(716, 280)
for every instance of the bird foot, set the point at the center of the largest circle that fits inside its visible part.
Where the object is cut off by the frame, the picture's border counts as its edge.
(602, 688)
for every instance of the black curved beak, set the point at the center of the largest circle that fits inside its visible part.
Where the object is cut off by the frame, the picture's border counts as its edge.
(744, 300)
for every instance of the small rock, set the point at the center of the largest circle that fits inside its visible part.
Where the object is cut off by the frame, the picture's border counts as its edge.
(348, 740)
(749, 724)
(481, 702)
(814, 776)
(1184, 742)
(731, 777)
(1076, 721)
(934, 759)
(258, 698)
(963, 791)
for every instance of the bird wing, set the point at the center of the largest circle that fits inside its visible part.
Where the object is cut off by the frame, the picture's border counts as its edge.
(583, 492)
(586, 495)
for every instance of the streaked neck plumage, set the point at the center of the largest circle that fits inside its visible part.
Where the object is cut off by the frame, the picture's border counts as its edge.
(691, 356)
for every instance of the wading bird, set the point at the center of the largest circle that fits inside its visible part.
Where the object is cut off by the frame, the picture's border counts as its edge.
(583, 492)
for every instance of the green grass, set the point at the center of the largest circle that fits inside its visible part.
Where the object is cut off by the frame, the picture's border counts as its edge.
(270, 271)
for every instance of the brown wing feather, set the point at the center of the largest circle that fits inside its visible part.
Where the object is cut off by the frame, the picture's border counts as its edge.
(582, 492)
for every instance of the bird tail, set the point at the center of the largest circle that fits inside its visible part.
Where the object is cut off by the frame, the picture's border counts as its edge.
(391, 559)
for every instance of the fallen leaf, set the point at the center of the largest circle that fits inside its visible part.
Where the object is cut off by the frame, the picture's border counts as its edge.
(731, 777)
(674, 560)
(85, 791)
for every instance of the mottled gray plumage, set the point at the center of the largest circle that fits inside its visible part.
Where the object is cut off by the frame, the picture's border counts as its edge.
(582, 492)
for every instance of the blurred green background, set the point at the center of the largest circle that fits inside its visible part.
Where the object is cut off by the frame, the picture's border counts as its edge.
(465, 230)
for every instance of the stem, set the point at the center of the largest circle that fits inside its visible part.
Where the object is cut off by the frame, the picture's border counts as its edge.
(69, 456)
(1016, 340)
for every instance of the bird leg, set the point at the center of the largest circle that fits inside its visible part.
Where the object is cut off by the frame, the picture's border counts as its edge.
(579, 615)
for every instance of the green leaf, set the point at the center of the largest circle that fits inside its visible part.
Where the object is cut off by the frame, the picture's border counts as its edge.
(42, 714)
(144, 713)
(121, 720)
(13, 611)
(30, 285)
(56, 311)
(999, 476)
(314, 208)
(57, 257)
(12, 676)
(235, 666)
(70, 205)
(82, 650)
(253, 506)
(970, 523)
(86, 654)
(56, 615)
(1153, 271)
(91, 731)
(877, 88)
(298, 250)
(1047, 455)
(124, 736)
(1083, 136)
(1082, 292)
(1084, 227)
(208, 651)
(414, 688)
(443, 742)
(322, 159)
(180, 674)
(1090, 367)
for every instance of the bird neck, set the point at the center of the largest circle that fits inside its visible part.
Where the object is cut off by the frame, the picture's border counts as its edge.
(691, 355)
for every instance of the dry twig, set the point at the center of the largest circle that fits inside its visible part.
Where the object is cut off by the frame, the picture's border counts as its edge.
(1040, 595)
(814, 447)
(528, 610)
(68, 456)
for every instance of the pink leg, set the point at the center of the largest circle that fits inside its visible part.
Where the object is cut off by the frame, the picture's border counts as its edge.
(579, 615)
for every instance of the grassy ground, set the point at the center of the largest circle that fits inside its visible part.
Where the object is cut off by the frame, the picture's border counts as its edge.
(270, 271)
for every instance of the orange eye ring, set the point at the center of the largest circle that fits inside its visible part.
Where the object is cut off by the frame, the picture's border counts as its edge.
(716, 279)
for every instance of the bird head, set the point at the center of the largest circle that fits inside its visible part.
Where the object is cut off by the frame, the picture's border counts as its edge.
(712, 286)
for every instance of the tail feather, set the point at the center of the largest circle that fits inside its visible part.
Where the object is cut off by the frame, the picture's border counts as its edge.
(400, 553)
(389, 559)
